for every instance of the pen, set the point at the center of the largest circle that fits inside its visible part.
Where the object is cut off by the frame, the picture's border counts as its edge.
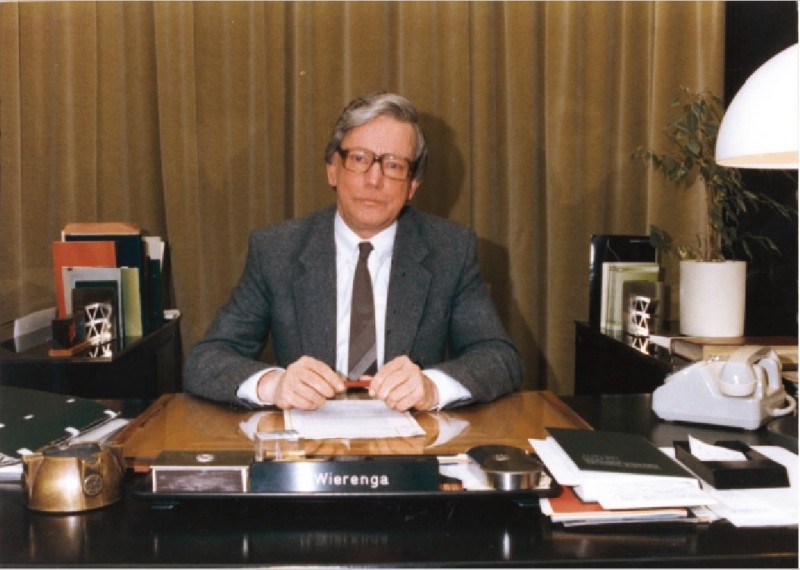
(356, 384)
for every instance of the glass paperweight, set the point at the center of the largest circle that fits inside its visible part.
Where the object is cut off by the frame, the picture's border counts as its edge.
(279, 445)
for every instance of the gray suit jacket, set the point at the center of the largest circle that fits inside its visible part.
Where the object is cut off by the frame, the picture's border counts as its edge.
(438, 309)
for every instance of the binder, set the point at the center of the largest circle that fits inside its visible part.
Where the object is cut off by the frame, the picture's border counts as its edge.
(32, 419)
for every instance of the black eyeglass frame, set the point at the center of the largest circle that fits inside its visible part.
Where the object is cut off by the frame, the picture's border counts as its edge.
(343, 152)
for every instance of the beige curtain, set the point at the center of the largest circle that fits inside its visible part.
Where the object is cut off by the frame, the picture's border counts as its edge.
(201, 121)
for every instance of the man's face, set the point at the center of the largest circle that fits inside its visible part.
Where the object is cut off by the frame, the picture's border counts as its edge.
(370, 202)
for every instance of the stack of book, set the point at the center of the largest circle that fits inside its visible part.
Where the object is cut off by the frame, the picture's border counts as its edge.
(612, 248)
(113, 263)
(694, 348)
(610, 477)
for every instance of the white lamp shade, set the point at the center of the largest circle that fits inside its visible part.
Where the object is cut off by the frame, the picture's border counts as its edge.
(760, 126)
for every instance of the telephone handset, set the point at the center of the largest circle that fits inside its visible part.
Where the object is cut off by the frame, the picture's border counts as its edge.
(744, 391)
(748, 370)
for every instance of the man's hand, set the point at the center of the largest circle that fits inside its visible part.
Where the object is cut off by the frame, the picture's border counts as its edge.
(305, 384)
(402, 385)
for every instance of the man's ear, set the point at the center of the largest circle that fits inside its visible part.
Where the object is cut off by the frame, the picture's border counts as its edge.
(412, 190)
(333, 173)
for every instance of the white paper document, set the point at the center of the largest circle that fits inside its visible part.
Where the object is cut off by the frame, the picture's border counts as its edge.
(620, 490)
(708, 452)
(352, 419)
(762, 507)
(10, 469)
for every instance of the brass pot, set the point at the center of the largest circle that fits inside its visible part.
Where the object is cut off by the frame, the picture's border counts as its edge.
(73, 478)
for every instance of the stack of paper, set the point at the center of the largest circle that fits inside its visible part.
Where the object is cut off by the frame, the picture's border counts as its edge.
(617, 477)
(352, 419)
(568, 509)
(772, 506)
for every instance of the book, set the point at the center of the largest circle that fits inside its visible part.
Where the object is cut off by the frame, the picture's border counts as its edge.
(616, 452)
(705, 347)
(131, 302)
(130, 249)
(615, 274)
(78, 254)
(155, 248)
(99, 228)
(151, 291)
(612, 247)
(155, 288)
(33, 419)
(618, 470)
(568, 508)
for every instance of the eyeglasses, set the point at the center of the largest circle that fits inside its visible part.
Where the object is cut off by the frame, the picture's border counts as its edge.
(361, 160)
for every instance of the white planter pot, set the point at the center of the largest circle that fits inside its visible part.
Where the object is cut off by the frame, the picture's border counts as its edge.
(712, 298)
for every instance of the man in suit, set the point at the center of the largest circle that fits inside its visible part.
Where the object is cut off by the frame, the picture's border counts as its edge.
(437, 339)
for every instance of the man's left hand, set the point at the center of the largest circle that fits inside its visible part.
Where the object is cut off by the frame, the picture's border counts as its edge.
(402, 385)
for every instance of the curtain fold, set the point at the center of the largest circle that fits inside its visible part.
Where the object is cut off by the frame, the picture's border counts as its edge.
(201, 121)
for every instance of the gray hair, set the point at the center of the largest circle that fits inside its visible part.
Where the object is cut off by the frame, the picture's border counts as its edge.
(363, 109)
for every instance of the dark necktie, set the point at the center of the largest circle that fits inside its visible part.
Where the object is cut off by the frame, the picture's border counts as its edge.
(362, 353)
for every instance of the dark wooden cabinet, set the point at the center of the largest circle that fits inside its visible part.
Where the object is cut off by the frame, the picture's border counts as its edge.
(613, 363)
(141, 367)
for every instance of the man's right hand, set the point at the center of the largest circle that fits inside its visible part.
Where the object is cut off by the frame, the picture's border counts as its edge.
(305, 384)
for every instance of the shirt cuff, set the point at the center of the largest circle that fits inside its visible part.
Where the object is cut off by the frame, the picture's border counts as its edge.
(248, 390)
(450, 389)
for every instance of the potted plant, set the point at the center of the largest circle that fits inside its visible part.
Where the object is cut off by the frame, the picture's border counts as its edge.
(712, 281)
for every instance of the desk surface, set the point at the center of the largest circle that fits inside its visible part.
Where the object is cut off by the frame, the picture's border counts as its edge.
(381, 532)
(181, 421)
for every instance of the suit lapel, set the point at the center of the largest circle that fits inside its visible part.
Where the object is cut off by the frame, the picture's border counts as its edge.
(408, 288)
(315, 291)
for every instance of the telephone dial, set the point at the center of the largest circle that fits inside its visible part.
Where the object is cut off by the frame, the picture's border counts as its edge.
(744, 391)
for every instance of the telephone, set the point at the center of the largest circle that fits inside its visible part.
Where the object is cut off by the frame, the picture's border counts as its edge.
(744, 391)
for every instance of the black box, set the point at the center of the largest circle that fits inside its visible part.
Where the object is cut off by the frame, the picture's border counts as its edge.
(758, 472)
(69, 331)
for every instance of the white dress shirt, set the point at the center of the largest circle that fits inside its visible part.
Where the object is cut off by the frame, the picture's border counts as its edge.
(380, 267)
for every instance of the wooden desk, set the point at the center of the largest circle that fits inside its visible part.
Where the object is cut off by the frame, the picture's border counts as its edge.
(227, 534)
(181, 421)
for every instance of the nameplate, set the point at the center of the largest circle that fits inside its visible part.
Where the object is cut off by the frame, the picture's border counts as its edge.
(347, 474)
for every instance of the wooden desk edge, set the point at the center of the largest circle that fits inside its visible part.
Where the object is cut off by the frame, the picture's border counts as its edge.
(562, 407)
(139, 421)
